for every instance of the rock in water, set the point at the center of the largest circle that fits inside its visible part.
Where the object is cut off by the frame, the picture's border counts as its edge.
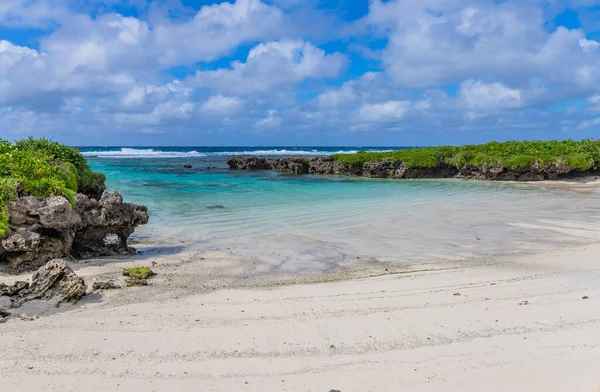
(385, 168)
(187, 166)
(53, 280)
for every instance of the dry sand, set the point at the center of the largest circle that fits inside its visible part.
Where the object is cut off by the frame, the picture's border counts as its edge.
(204, 326)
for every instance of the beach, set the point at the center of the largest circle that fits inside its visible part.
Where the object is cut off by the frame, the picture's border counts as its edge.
(520, 323)
(300, 196)
(271, 282)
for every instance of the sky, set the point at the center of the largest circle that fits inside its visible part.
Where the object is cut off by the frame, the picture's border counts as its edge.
(299, 72)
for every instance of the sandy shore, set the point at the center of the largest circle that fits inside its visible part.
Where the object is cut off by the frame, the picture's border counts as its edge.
(513, 323)
(409, 330)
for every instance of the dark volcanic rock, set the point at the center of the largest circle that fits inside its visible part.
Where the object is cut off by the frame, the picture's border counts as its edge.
(105, 286)
(103, 219)
(95, 189)
(53, 280)
(388, 169)
(46, 229)
(14, 290)
(249, 163)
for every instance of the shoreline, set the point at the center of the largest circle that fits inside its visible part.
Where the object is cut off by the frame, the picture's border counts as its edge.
(506, 322)
(362, 165)
(461, 328)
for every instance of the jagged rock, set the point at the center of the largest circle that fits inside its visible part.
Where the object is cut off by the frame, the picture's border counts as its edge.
(94, 189)
(105, 286)
(24, 211)
(52, 245)
(23, 241)
(388, 169)
(15, 289)
(53, 279)
(103, 219)
(57, 213)
(46, 229)
(249, 163)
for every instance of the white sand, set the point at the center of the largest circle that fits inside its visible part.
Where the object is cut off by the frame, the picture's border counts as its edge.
(203, 326)
(402, 332)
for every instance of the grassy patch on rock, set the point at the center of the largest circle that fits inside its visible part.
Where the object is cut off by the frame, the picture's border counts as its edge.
(138, 273)
(41, 168)
(582, 155)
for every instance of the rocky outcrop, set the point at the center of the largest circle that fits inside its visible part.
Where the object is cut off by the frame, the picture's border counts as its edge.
(398, 170)
(54, 280)
(50, 228)
(95, 188)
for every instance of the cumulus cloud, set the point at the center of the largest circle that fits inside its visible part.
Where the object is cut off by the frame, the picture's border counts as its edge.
(32, 13)
(273, 65)
(479, 95)
(391, 110)
(270, 121)
(216, 29)
(219, 104)
(433, 43)
(339, 97)
(414, 66)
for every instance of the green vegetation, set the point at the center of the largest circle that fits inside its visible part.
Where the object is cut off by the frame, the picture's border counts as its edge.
(583, 155)
(132, 282)
(41, 168)
(138, 272)
(138, 276)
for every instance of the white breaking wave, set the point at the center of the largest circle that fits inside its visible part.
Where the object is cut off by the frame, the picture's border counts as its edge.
(139, 153)
(150, 153)
(283, 152)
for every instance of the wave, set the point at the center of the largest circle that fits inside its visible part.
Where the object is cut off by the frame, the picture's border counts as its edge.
(151, 153)
(141, 153)
(283, 152)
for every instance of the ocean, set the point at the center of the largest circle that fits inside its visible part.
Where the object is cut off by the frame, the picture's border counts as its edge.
(315, 223)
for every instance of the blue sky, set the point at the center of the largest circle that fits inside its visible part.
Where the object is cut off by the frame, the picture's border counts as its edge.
(299, 72)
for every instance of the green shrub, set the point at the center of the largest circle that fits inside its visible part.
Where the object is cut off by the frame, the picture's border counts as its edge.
(584, 154)
(84, 175)
(519, 161)
(8, 193)
(41, 168)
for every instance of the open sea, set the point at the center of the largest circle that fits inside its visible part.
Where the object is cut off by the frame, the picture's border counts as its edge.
(307, 223)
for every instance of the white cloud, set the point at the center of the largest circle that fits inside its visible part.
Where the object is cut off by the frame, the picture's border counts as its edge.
(272, 65)
(589, 123)
(391, 110)
(220, 104)
(32, 13)
(216, 29)
(434, 43)
(112, 54)
(486, 96)
(140, 96)
(269, 122)
(335, 98)
(595, 102)
(588, 45)
(104, 71)
(160, 114)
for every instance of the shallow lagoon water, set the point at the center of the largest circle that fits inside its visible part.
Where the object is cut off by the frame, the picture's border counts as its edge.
(305, 223)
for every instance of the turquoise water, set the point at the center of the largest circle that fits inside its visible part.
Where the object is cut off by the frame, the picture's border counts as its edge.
(292, 223)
